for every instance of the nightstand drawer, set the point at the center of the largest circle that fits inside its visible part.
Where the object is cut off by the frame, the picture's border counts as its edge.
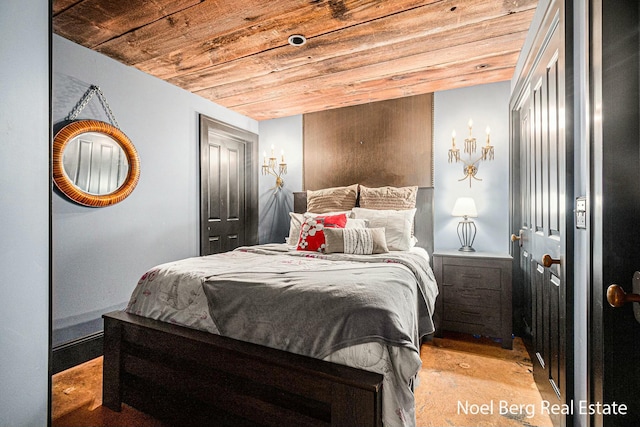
(472, 319)
(472, 277)
(471, 296)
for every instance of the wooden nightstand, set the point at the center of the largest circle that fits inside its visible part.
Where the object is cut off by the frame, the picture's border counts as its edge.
(475, 294)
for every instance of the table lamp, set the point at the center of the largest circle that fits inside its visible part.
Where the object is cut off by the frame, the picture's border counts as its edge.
(465, 207)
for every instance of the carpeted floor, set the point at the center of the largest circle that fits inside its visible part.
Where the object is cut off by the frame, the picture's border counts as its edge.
(460, 374)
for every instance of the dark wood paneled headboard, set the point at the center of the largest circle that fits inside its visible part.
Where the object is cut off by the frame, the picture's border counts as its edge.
(423, 220)
(394, 138)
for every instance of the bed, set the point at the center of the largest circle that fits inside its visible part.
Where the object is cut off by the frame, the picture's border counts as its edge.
(169, 355)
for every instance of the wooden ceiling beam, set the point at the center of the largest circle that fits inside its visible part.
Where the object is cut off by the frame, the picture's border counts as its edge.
(479, 53)
(60, 5)
(92, 22)
(274, 110)
(423, 50)
(350, 40)
(217, 32)
(438, 78)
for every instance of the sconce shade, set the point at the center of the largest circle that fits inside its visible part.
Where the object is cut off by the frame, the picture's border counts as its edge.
(465, 206)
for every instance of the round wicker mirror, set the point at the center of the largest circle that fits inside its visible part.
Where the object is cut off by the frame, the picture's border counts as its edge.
(94, 163)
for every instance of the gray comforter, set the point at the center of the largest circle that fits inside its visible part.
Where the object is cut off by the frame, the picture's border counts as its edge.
(353, 299)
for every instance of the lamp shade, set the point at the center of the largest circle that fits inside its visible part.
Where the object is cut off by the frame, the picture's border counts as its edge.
(465, 206)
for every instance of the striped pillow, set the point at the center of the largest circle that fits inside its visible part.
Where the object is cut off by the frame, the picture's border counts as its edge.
(332, 199)
(383, 198)
(360, 241)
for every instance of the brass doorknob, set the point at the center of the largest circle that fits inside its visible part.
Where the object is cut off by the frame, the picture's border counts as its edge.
(617, 297)
(547, 261)
(514, 237)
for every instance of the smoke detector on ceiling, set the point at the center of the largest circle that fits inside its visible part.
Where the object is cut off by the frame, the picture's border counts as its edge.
(297, 40)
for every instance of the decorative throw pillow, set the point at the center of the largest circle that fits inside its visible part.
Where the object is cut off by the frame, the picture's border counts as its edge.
(332, 199)
(312, 231)
(397, 198)
(294, 228)
(397, 226)
(361, 241)
(297, 219)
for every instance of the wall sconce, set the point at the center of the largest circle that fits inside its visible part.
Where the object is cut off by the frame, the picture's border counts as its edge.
(271, 166)
(465, 207)
(470, 169)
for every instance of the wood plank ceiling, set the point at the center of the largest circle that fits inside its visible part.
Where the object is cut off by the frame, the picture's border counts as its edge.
(235, 53)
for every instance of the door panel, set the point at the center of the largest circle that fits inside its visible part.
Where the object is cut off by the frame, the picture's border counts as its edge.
(213, 182)
(536, 159)
(212, 200)
(555, 335)
(539, 318)
(554, 155)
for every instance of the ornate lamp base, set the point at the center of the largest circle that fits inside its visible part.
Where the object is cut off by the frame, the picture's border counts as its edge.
(466, 234)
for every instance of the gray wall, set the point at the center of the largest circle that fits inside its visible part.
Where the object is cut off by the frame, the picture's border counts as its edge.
(486, 105)
(284, 134)
(100, 253)
(24, 212)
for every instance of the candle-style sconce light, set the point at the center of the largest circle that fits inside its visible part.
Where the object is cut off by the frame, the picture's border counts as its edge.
(270, 166)
(470, 168)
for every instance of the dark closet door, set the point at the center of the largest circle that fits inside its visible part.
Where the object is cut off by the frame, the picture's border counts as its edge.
(615, 333)
(228, 209)
(543, 215)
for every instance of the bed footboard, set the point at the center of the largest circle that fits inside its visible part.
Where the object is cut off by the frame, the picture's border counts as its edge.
(189, 377)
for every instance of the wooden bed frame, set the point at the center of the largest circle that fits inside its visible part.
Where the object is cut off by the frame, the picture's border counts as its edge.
(189, 377)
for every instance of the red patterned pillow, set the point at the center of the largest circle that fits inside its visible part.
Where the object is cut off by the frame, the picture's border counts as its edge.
(312, 234)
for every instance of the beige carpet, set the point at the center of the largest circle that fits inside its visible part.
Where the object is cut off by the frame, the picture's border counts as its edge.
(457, 370)
(472, 382)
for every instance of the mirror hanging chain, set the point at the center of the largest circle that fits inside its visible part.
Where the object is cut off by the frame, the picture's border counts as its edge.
(93, 89)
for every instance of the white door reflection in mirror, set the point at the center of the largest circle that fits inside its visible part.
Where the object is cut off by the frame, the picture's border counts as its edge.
(95, 163)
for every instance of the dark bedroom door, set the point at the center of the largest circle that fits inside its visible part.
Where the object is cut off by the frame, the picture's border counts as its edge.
(542, 205)
(615, 100)
(228, 187)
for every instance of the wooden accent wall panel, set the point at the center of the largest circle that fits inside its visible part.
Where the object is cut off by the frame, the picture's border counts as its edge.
(375, 144)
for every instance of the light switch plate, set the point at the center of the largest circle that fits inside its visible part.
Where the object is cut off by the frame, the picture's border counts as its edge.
(581, 212)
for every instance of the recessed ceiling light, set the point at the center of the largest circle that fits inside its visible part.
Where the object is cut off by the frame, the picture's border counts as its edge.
(297, 40)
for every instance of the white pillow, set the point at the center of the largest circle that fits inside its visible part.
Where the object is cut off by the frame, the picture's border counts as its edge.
(356, 223)
(397, 225)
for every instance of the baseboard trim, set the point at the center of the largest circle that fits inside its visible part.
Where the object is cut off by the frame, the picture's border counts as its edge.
(76, 352)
